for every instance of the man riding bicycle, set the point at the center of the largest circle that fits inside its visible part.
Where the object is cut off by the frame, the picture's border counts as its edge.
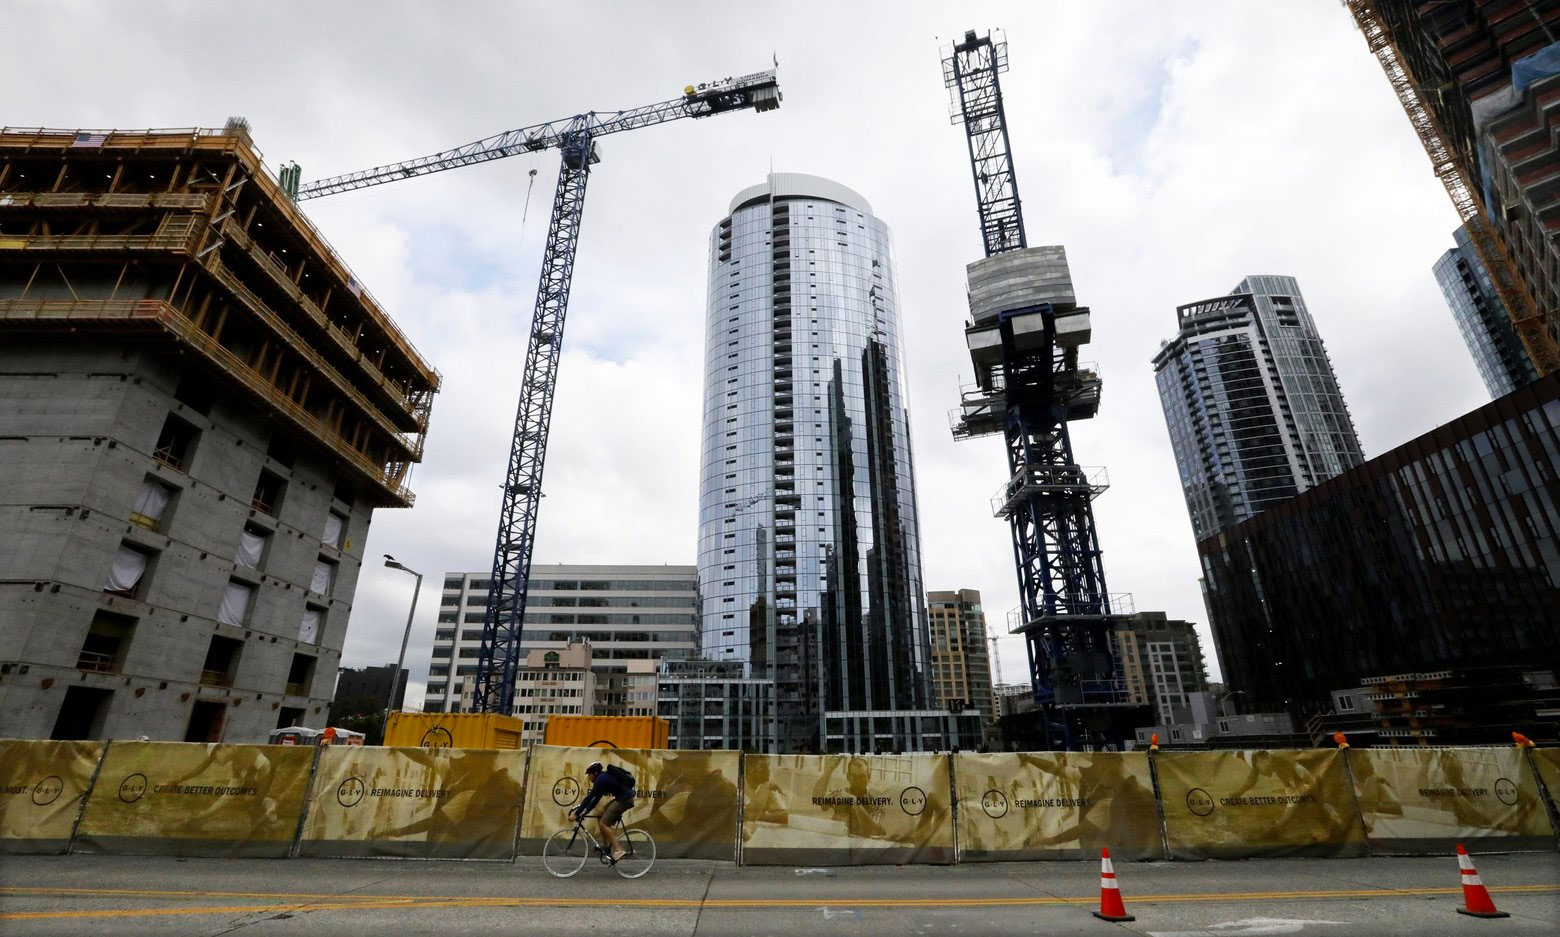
(613, 783)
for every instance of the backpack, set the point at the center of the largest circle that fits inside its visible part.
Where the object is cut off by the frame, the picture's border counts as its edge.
(622, 774)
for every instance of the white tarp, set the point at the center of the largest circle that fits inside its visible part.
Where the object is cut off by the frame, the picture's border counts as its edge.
(250, 546)
(152, 500)
(309, 628)
(320, 582)
(126, 570)
(235, 603)
(333, 524)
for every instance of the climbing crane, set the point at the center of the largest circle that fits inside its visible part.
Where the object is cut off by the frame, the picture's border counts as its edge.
(1024, 338)
(575, 138)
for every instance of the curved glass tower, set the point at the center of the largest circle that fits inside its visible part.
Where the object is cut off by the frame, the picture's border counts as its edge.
(809, 551)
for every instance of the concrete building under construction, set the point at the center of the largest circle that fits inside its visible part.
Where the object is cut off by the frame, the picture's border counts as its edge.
(202, 407)
(1480, 81)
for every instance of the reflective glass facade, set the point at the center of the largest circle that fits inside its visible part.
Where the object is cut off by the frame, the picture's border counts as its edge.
(809, 551)
(1502, 361)
(1251, 402)
(1443, 553)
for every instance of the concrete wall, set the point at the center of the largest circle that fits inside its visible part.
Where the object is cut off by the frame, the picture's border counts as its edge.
(77, 430)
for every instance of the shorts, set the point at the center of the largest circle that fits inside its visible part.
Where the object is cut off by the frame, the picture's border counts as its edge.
(613, 812)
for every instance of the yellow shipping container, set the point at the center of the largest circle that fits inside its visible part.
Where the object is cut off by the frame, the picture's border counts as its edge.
(453, 730)
(607, 731)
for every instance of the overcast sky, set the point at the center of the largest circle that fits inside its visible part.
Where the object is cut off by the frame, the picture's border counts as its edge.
(1173, 147)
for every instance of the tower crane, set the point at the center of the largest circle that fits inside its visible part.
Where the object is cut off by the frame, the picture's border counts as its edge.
(1024, 338)
(575, 139)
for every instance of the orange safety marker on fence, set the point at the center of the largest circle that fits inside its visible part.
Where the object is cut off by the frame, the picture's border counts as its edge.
(1476, 897)
(1341, 740)
(1522, 741)
(1111, 908)
(1153, 742)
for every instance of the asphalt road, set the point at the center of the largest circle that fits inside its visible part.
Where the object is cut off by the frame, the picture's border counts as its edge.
(129, 895)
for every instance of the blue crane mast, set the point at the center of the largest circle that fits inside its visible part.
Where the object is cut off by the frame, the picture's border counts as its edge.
(1024, 336)
(575, 138)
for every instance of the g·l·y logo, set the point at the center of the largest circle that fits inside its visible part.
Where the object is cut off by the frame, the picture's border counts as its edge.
(912, 800)
(437, 737)
(565, 791)
(350, 791)
(995, 803)
(1506, 791)
(1199, 801)
(48, 790)
(132, 787)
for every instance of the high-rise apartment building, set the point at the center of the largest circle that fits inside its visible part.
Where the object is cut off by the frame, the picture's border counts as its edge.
(1480, 80)
(961, 657)
(1499, 355)
(632, 617)
(1162, 661)
(809, 549)
(1254, 411)
(200, 409)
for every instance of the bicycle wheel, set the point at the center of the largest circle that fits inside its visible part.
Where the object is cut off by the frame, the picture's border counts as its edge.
(565, 852)
(640, 849)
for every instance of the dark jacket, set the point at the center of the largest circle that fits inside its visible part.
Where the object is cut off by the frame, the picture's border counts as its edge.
(607, 785)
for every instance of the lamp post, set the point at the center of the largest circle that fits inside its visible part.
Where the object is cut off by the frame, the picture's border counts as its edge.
(395, 675)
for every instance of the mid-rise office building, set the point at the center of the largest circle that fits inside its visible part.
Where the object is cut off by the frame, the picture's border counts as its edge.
(1482, 319)
(632, 617)
(1479, 80)
(556, 682)
(200, 409)
(711, 704)
(1254, 410)
(961, 656)
(1442, 554)
(809, 543)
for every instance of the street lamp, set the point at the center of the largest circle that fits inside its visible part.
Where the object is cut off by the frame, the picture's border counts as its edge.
(395, 675)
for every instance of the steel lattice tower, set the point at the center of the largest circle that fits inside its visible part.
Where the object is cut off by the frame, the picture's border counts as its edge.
(1024, 338)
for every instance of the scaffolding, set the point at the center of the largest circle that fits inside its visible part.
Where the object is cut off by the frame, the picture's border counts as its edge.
(183, 237)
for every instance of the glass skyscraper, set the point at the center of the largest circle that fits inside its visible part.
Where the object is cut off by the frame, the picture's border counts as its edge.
(809, 549)
(1251, 402)
(1486, 327)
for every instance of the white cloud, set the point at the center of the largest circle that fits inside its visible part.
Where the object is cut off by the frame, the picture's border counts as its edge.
(1173, 147)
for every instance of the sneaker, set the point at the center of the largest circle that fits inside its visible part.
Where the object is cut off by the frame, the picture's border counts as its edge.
(618, 856)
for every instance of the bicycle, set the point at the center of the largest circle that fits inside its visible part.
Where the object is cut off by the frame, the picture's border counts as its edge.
(566, 851)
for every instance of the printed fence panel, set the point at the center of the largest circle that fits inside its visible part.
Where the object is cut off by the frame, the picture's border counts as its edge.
(686, 800)
(1427, 800)
(416, 803)
(194, 799)
(1056, 805)
(1241, 804)
(846, 809)
(42, 786)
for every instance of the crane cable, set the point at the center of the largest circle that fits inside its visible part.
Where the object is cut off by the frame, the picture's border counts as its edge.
(526, 211)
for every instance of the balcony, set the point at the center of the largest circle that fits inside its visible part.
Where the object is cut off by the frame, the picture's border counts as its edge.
(215, 678)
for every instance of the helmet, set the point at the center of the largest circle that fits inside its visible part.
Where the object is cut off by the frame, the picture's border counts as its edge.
(593, 768)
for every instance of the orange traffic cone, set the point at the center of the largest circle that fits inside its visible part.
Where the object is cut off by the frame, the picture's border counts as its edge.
(1475, 896)
(1111, 908)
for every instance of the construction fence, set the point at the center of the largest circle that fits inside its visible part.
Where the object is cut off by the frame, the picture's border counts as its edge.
(190, 799)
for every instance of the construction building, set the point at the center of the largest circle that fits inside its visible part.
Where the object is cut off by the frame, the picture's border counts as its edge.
(961, 656)
(1480, 82)
(1500, 357)
(631, 618)
(202, 409)
(1461, 706)
(1441, 554)
(1251, 402)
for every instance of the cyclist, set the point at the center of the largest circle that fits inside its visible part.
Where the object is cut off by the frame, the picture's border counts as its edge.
(605, 782)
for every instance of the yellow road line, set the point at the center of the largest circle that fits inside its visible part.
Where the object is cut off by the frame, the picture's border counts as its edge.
(384, 902)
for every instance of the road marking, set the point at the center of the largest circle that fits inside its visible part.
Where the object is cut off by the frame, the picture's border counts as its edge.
(274, 902)
(830, 914)
(1246, 927)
